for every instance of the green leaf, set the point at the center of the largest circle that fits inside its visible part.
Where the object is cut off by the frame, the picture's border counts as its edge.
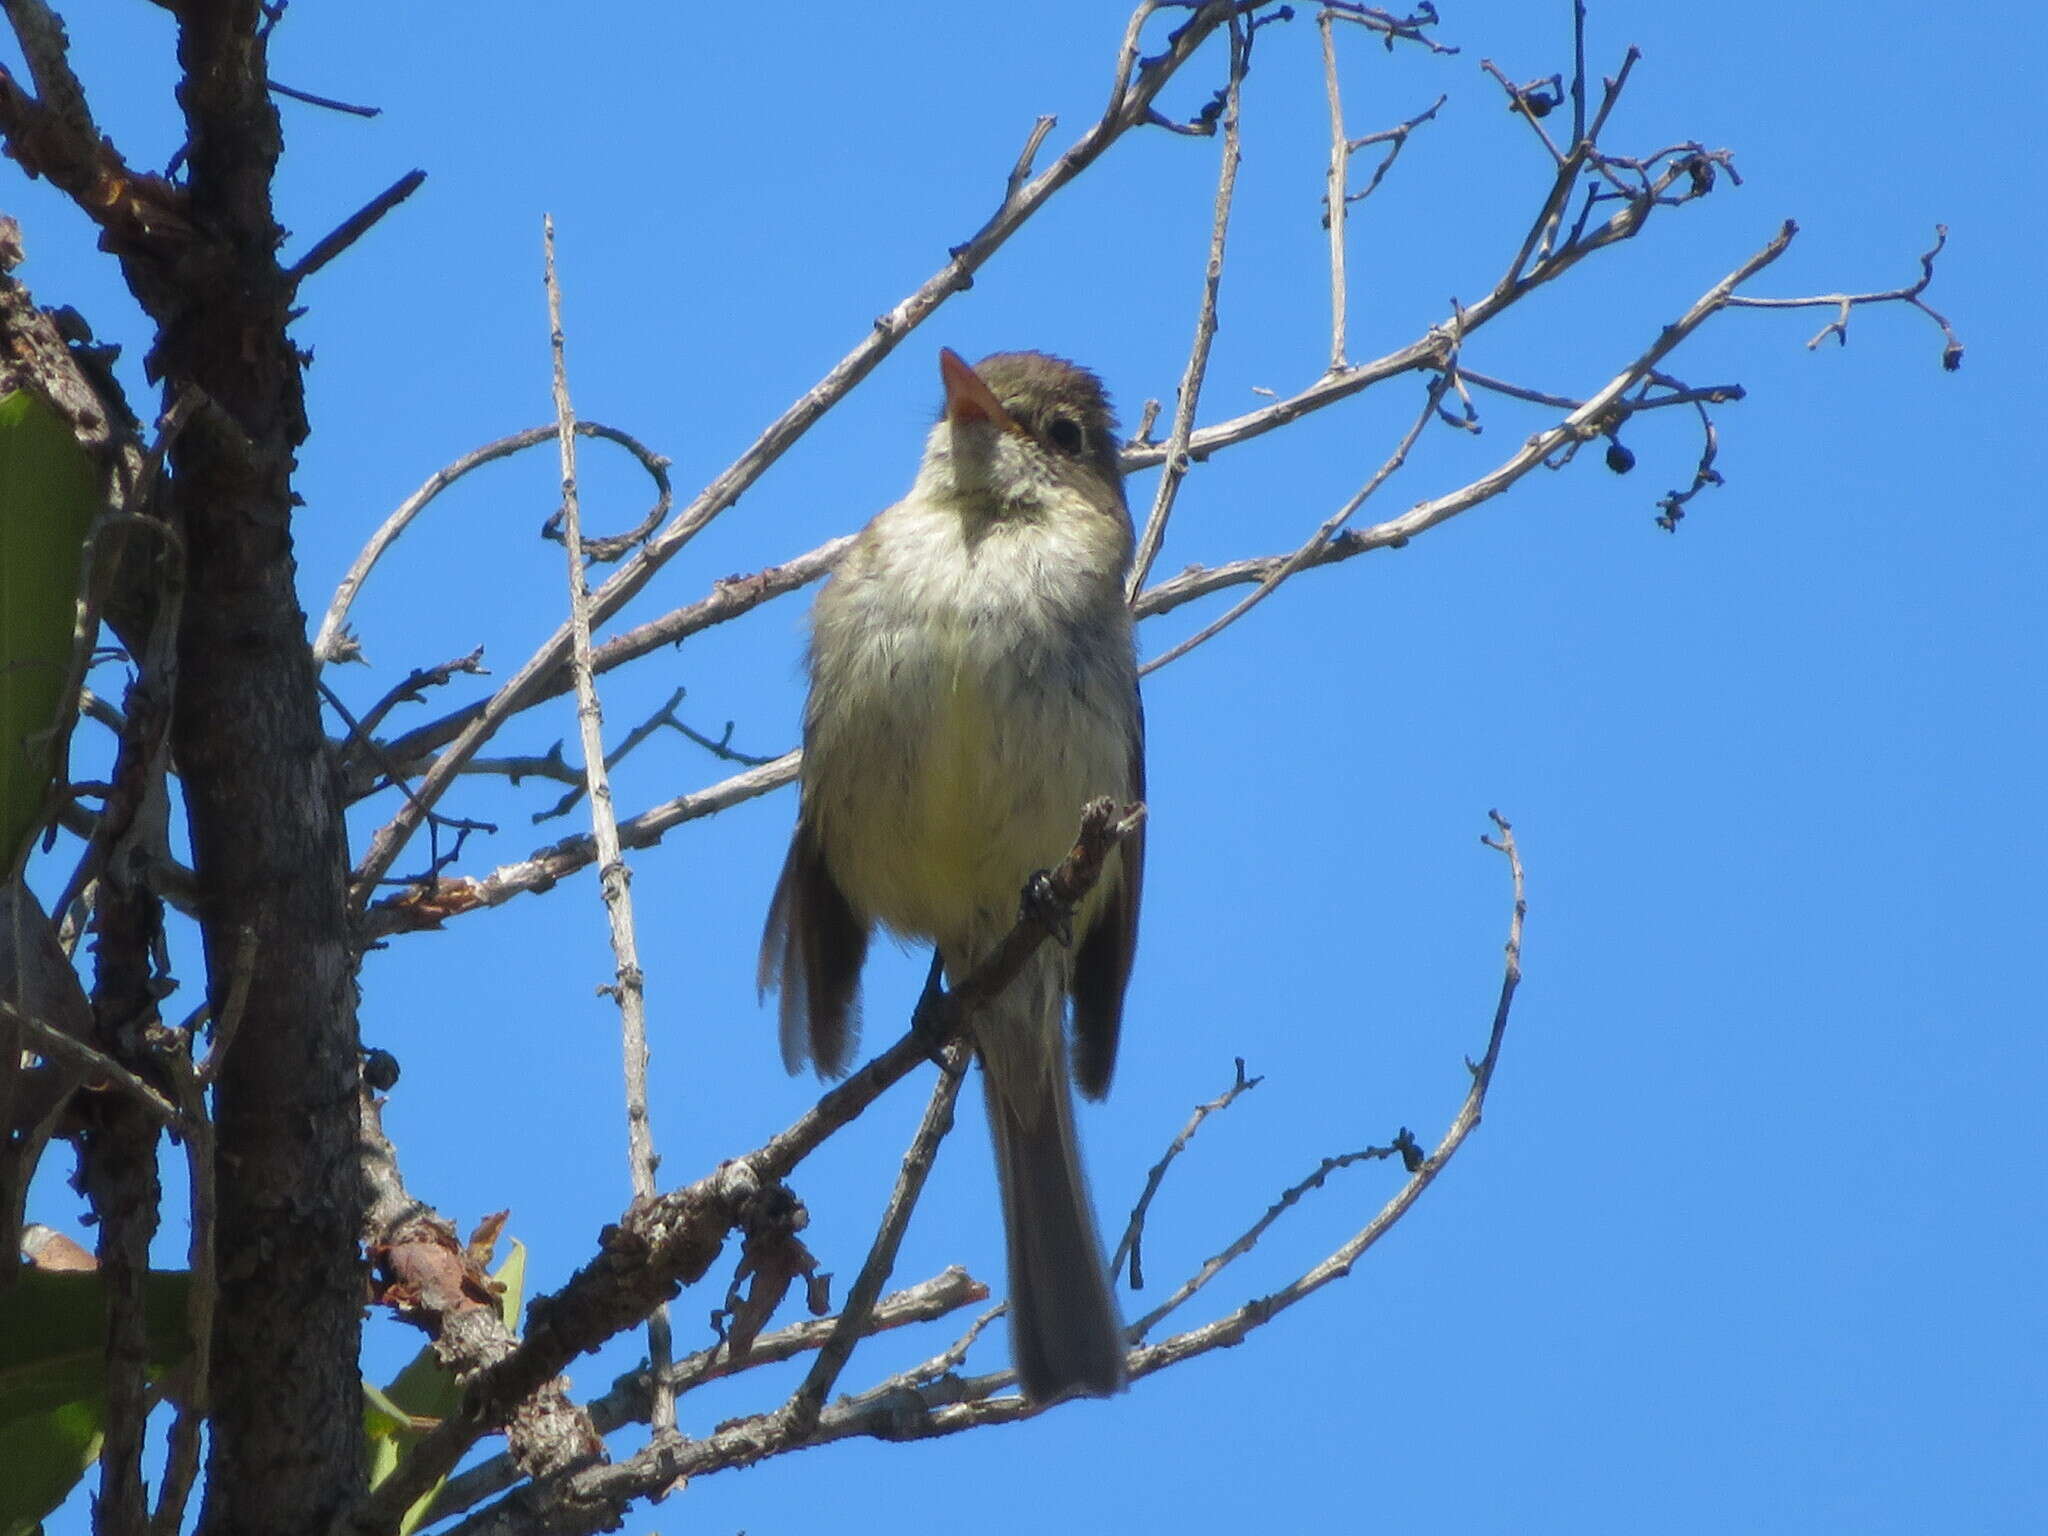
(49, 495)
(53, 1336)
(512, 1276)
(45, 1455)
(52, 1380)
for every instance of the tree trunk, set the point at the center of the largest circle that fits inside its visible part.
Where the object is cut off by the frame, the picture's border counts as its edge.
(268, 841)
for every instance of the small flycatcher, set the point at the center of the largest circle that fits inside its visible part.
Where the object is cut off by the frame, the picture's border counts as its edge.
(974, 684)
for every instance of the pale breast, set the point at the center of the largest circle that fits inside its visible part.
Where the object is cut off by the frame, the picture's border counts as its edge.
(969, 697)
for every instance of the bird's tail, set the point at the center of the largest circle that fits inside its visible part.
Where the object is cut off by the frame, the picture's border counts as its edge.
(1065, 1334)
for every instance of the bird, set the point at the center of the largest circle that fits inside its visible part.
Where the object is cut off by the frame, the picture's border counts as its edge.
(973, 684)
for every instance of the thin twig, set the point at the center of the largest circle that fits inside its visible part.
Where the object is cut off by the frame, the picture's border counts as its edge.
(435, 820)
(1402, 1146)
(1131, 1243)
(48, 1040)
(954, 1355)
(730, 597)
(1397, 138)
(326, 644)
(549, 765)
(1324, 547)
(1578, 71)
(427, 904)
(328, 102)
(1422, 1171)
(664, 717)
(1392, 29)
(1952, 351)
(1205, 324)
(1530, 104)
(614, 878)
(1305, 553)
(412, 689)
(1677, 394)
(1334, 200)
(355, 226)
(809, 1398)
(1020, 173)
(1671, 508)
(628, 1401)
(229, 1018)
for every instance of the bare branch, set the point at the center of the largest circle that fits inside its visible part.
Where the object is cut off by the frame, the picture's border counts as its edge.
(46, 1039)
(1588, 420)
(630, 1399)
(1392, 29)
(327, 643)
(1422, 1172)
(1130, 1244)
(1532, 103)
(614, 878)
(1305, 554)
(1020, 173)
(1403, 1146)
(1397, 137)
(1672, 507)
(412, 689)
(1205, 325)
(730, 598)
(1951, 352)
(1578, 71)
(1334, 199)
(426, 904)
(47, 50)
(1432, 349)
(809, 1398)
(279, 88)
(53, 135)
(357, 224)
(665, 717)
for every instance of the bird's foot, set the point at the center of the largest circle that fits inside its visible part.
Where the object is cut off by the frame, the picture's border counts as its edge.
(1041, 902)
(932, 1018)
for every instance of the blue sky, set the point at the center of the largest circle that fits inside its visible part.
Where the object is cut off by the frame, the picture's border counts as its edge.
(1751, 1236)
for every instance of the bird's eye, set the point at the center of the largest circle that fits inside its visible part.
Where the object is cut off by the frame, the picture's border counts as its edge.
(1064, 433)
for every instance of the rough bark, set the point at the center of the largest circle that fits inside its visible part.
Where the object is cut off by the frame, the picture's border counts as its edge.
(268, 843)
(118, 1172)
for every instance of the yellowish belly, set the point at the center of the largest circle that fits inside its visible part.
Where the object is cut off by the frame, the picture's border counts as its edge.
(979, 776)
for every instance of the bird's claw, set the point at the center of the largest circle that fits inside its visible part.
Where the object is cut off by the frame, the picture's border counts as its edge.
(1042, 903)
(931, 1020)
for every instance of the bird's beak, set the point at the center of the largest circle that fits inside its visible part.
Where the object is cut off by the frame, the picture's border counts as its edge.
(968, 398)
